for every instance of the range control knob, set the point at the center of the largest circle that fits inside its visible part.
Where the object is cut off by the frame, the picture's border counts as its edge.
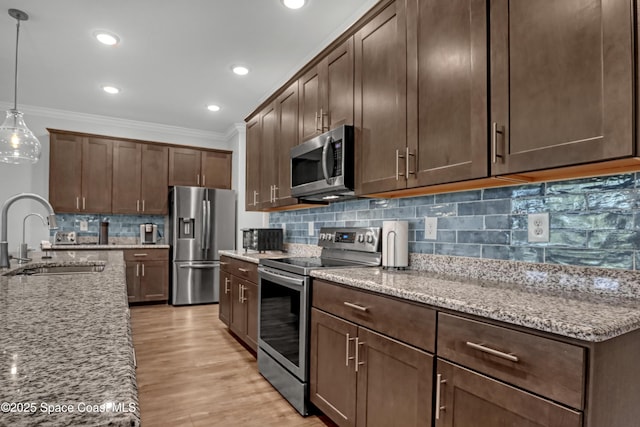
(369, 238)
(360, 238)
(322, 236)
(329, 236)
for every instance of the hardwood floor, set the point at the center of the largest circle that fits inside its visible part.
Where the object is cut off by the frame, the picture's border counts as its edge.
(192, 372)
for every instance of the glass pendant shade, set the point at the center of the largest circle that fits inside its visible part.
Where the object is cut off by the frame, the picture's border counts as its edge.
(18, 145)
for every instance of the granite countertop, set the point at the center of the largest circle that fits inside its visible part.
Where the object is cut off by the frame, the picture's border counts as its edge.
(563, 311)
(65, 344)
(96, 247)
(253, 256)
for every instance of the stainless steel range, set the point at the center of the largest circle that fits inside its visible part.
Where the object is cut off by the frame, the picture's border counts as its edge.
(285, 306)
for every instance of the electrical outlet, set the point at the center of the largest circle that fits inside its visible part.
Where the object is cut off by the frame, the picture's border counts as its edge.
(311, 230)
(430, 228)
(84, 226)
(538, 227)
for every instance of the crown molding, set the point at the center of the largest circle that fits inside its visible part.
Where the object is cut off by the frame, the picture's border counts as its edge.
(235, 129)
(123, 123)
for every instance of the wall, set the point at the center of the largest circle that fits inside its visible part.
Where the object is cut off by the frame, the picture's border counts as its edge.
(594, 221)
(35, 178)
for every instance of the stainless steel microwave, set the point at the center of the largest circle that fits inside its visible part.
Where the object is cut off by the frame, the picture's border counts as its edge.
(322, 168)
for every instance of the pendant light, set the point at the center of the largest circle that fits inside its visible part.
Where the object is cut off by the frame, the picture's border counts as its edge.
(18, 144)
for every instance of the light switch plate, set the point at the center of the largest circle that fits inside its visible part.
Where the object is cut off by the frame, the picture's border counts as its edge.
(84, 226)
(311, 230)
(538, 227)
(430, 228)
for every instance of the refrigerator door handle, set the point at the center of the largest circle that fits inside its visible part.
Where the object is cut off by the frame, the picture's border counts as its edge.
(208, 224)
(203, 238)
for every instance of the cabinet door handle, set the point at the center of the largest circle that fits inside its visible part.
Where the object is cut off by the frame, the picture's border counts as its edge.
(244, 270)
(142, 270)
(493, 352)
(275, 192)
(84, 205)
(137, 269)
(357, 357)
(204, 179)
(347, 357)
(137, 205)
(407, 155)
(240, 293)
(142, 205)
(255, 197)
(77, 203)
(322, 116)
(398, 157)
(356, 306)
(243, 299)
(198, 178)
(317, 130)
(494, 142)
(439, 382)
(226, 285)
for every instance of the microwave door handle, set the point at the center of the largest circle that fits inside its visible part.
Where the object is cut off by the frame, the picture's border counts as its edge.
(325, 152)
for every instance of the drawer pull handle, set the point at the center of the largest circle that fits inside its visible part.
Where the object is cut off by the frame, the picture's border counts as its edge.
(140, 254)
(493, 352)
(356, 306)
(439, 408)
(244, 270)
(224, 263)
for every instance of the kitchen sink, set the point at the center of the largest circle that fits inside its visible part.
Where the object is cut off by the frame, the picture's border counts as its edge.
(50, 270)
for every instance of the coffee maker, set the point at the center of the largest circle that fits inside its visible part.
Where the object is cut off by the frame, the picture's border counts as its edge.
(148, 233)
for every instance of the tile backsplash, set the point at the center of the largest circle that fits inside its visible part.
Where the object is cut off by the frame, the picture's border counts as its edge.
(593, 221)
(119, 225)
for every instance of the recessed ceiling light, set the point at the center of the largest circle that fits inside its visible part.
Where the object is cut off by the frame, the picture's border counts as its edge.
(107, 38)
(110, 89)
(293, 4)
(240, 70)
(213, 107)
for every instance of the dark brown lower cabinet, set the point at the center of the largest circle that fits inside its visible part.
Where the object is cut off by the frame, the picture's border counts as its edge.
(244, 311)
(147, 274)
(362, 378)
(224, 309)
(465, 398)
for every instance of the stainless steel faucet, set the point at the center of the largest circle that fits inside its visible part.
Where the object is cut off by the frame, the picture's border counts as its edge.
(4, 246)
(23, 253)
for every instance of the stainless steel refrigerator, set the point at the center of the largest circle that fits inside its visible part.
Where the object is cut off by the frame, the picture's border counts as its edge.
(202, 221)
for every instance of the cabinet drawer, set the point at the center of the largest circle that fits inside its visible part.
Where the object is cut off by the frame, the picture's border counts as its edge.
(541, 365)
(239, 268)
(146, 254)
(404, 321)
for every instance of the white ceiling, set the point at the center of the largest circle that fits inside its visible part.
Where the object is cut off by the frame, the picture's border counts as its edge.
(174, 57)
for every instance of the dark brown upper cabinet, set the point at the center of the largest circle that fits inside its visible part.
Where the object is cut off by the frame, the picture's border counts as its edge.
(287, 138)
(561, 83)
(447, 91)
(380, 101)
(199, 168)
(80, 170)
(252, 202)
(326, 93)
(268, 156)
(139, 178)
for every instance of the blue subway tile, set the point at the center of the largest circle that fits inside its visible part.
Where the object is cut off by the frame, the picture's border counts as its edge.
(462, 196)
(612, 200)
(484, 237)
(447, 209)
(592, 220)
(602, 183)
(457, 249)
(356, 223)
(568, 238)
(528, 190)
(416, 223)
(614, 240)
(590, 258)
(497, 222)
(637, 264)
(442, 236)
(421, 247)
(460, 223)
(369, 214)
(417, 201)
(383, 203)
(489, 207)
(496, 252)
(399, 213)
(357, 205)
(568, 202)
(346, 216)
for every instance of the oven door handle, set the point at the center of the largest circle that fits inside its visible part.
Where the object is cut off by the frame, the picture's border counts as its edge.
(292, 282)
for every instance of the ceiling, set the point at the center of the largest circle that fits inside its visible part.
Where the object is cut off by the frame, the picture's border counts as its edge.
(174, 57)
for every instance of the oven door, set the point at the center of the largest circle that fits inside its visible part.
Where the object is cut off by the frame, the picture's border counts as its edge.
(283, 328)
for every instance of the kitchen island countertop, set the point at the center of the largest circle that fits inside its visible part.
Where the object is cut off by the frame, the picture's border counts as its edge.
(66, 353)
